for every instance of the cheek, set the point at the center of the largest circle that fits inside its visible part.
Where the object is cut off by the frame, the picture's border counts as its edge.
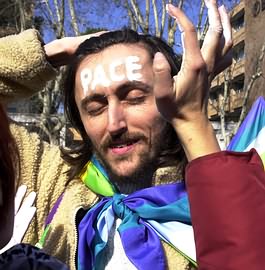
(95, 128)
(147, 113)
(148, 120)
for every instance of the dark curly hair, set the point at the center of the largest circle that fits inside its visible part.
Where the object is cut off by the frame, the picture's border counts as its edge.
(172, 152)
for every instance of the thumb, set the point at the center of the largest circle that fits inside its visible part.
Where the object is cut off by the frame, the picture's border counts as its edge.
(163, 83)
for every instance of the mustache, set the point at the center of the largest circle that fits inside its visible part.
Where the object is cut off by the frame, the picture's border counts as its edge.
(122, 138)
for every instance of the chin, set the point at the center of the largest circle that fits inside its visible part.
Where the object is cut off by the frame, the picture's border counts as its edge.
(124, 167)
(133, 168)
(123, 172)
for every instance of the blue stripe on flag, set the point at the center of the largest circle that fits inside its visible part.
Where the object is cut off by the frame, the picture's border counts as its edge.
(250, 128)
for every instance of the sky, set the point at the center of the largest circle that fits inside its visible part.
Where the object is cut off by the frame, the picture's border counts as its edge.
(90, 15)
(105, 14)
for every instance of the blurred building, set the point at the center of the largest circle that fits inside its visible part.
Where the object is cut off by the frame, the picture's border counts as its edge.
(234, 76)
(255, 47)
(248, 21)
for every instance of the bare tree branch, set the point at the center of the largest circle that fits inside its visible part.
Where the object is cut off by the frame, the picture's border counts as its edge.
(163, 19)
(147, 12)
(139, 17)
(157, 30)
(60, 15)
(73, 17)
(171, 32)
(199, 24)
(7, 7)
(50, 11)
(21, 11)
(222, 109)
(131, 16)
(172, 26)
(180, 4)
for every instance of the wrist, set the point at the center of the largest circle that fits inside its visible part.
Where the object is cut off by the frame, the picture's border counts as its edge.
(58, 52)
(196, 136)
(52, 50)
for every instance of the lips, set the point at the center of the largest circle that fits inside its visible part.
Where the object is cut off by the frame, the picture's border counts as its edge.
(120, 144)
(122, 147)
(122, 150)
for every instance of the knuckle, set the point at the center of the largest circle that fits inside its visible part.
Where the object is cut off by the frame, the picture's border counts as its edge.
(199, 65)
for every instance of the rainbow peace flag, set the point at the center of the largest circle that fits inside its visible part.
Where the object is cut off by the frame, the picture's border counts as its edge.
(251, 133)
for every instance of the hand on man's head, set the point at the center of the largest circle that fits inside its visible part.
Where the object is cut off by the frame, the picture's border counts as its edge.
(61, 52)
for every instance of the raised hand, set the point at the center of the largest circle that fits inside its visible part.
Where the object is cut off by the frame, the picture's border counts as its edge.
(182, 100)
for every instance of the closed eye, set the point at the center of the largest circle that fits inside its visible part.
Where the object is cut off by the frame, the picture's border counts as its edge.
(136, 100)
(95, 109)
(94, 105)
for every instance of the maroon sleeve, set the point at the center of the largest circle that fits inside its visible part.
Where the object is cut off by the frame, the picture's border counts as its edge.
(227, 199)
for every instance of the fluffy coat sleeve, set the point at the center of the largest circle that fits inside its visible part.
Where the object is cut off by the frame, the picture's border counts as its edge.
(24, 69)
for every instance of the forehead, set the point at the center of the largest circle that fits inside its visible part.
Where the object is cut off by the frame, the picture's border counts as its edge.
(112, 67)
(114, 53)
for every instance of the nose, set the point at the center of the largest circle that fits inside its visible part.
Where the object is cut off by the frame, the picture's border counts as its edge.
(116, 118)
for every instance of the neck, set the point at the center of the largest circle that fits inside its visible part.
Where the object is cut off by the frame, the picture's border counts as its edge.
(132, 183)
(165, 175)
(130, 187)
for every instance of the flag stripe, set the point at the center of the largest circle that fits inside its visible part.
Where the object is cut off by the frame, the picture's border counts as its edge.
(258, 143)
(250, 128)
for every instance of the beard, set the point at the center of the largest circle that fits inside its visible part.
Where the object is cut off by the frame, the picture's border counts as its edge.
(142, 175)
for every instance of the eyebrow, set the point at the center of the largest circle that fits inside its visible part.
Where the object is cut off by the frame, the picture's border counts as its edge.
(134, 84)
(91, 98)
(120, 90)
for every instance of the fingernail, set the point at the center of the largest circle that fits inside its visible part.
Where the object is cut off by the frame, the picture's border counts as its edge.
(159, 56)
(160, 63)
(169, 9)
(222, 9)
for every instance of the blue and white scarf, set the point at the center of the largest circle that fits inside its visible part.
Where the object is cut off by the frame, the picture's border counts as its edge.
(148, 215)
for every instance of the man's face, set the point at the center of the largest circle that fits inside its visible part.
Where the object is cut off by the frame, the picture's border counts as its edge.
(114, 95)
